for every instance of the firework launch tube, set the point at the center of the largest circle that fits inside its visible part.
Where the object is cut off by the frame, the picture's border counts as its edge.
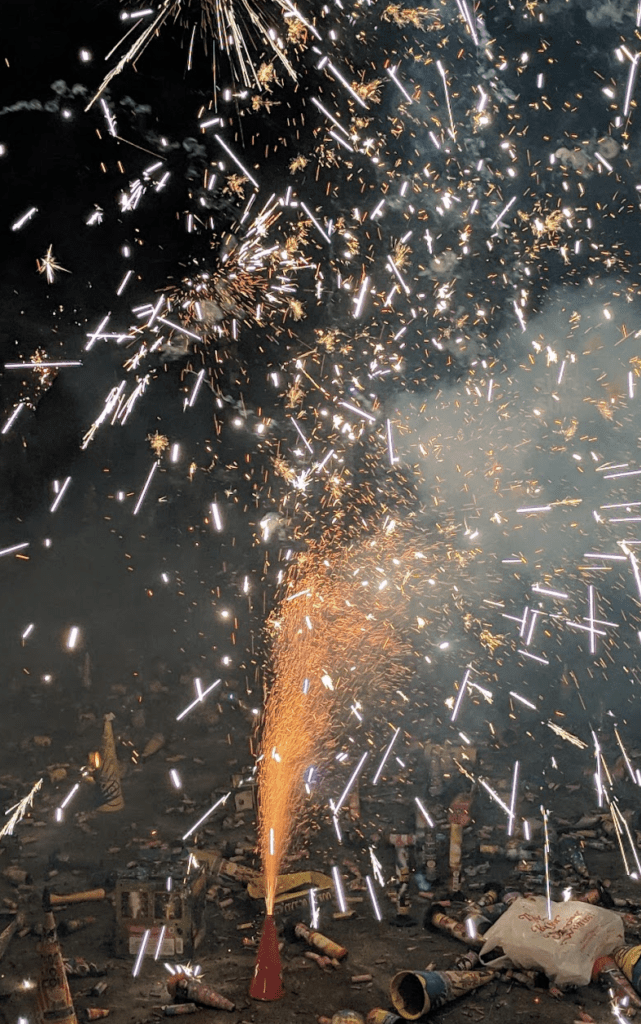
(53, 995)
(415, 993)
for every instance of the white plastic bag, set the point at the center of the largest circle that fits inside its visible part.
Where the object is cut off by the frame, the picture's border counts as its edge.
(564, 947)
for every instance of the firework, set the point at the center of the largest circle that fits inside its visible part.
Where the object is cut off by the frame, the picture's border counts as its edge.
(18, 811)
(224, 28)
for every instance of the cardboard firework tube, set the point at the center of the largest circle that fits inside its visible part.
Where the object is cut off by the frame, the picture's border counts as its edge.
(380, 1016)
(415, 993)
(606, 970)
(94, 1013)
(490, 895)
(458, 816)
(400, 839)
(217, 865)
(58, 899)
(327, 946)
(451, 926)
(467, 961)
(176, 1009)
(628, 959)
(53, 995)
(183, 990)
(153, 745)
(267, 982)
(109, 777)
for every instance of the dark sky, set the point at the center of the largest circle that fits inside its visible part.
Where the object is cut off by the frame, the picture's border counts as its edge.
(487, 294)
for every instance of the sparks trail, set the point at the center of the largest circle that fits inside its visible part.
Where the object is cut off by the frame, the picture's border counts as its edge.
(332, 637)
(341, 640)
(227, 28)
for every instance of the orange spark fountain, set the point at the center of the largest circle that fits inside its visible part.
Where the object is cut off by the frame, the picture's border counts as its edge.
(329, 623)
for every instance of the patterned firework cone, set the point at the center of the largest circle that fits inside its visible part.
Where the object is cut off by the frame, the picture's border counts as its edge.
(109, 778)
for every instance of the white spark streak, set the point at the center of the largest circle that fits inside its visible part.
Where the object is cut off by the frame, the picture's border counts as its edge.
(242, 167)
(372, 896)
(221, 800)
(358, 302)
(385, 756)
(16, 547)
(392, 73)
(60, 494)
(17, 224)
(350, 782)
(145, 488)
(461, 694)
(301, 435)
(338, 886)
(199, 699)
(141, 952)
(216, 518)
(360, 412)
(41, 366)
(161, 939)
(515, 783)
(196, 389)
(632, 76)
(424, 812)
(12, 419)
(503, 212)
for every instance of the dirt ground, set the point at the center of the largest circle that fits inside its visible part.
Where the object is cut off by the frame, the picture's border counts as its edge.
(88, 849)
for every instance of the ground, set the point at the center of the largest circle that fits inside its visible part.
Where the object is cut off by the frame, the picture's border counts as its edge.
(89, 848)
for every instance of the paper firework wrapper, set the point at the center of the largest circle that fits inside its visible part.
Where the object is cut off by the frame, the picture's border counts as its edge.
(327, 946)
(415, 993)
(54, 1002)
(109, 778)
(380, 1016)
(443, 923)
(628, 958)
(185, 990)
(606, 969)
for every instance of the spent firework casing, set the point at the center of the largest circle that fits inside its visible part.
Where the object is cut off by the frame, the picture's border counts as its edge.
(458, 816)
(94, 1013)
(327, 946)
(186, 991)
(605, 969)
(592, 896)
(53, 995)
(468, 961)
(415, 993)
(109, 777)
(153, 745)
(628, 959)
(401, 839)
(380, 1016)
(178, 1009)
(455, 928)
